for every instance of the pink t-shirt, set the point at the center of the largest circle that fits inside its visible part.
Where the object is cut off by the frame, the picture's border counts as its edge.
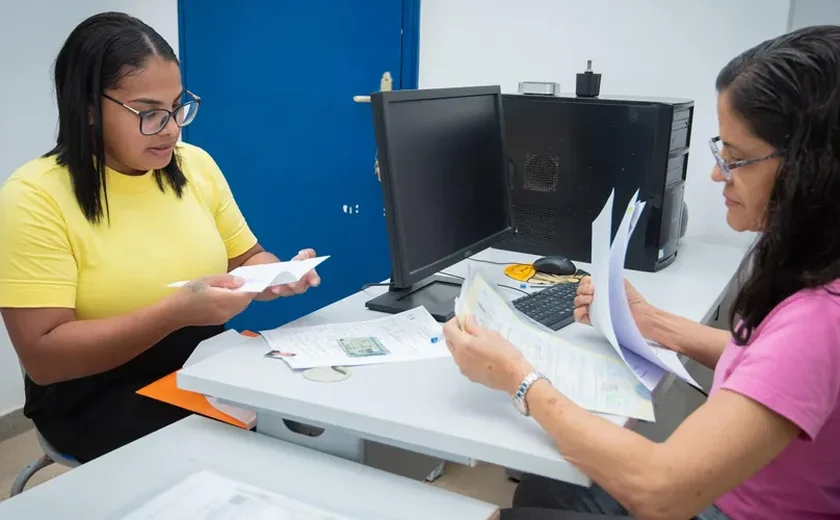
(792, 366)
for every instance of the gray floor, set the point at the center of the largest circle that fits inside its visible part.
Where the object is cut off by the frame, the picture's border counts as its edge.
(15, 454)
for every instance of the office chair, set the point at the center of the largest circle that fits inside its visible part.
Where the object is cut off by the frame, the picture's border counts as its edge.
(50, 456)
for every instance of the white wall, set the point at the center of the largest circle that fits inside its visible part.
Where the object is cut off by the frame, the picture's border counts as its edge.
(463, 42)
(670, 48)
(28, 114)
(814, 12)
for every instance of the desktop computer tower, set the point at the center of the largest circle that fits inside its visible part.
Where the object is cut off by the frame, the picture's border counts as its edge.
(566, 153)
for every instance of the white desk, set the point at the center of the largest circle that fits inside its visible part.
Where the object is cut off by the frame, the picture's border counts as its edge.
(429, 407)
(113, 484)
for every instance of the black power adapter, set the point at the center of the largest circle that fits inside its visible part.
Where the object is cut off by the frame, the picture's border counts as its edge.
(588, 83)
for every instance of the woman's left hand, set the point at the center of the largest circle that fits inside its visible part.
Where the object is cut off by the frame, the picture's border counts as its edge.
(485, 357)
(310, 279)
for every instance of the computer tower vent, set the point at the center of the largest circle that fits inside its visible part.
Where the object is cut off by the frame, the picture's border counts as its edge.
(534, 223)
(542, 173)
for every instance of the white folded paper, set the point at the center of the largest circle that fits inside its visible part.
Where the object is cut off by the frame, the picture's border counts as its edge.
(260, 277)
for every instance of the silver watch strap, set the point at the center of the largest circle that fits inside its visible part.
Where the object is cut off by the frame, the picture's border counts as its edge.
(522, 391)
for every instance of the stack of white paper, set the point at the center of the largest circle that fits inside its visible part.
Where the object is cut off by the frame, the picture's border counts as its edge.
(409, 336)
(260, 277)
(593, 376)
(208, 496)
(610, 313)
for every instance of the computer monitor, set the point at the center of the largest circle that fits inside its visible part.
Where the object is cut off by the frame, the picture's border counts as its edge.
(445, 187)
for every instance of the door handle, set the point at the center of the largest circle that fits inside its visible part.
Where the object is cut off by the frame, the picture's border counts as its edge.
(386, 84)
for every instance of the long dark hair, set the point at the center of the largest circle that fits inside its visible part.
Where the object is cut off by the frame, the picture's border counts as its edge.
(96, 56)
(787, 90)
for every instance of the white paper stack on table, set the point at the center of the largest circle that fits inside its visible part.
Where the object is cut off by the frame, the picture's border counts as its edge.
(592, 375)
(610, 312)
(207, 496)
(409, 336)
(260, 277)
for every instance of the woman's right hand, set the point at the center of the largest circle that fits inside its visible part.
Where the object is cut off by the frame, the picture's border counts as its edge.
(639, 307)
(211, 300)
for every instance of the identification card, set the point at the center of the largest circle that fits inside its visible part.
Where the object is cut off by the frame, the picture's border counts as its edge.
(363, 347)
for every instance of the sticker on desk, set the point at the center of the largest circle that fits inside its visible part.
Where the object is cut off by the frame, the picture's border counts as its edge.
(278, 354)
(363, 347)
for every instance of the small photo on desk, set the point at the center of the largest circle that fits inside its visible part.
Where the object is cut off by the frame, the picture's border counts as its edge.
(278, 354)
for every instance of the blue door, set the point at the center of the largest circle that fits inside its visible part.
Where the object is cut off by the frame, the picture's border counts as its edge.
(277, 80)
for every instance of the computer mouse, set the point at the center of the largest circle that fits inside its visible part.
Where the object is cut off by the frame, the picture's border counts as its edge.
(555, 265)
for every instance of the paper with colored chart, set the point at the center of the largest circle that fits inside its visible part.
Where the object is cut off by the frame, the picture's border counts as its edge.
(610, 312)
(591, 375)
(408, 336)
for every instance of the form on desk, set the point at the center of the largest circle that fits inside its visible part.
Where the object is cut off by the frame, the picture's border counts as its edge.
(591, 375)
(208, 496)
(610, 312)
(408, 336)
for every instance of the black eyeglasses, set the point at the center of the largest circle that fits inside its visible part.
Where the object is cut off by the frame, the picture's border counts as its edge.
(154, 120)
(727, 167)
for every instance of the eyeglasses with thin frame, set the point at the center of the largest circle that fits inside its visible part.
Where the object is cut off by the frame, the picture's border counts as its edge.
(727, 167)
(154, 120)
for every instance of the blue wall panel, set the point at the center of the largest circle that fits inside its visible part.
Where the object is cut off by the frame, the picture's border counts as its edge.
(277, 80)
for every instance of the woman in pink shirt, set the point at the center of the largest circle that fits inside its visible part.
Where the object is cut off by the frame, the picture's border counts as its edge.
(766, 444)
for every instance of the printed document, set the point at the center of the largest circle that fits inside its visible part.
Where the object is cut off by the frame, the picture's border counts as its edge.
(610, 312)
(262, 276)
(409, 336)
(593, 376)
(208, 496)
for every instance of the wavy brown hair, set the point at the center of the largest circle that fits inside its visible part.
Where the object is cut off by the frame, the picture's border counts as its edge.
(787, 91)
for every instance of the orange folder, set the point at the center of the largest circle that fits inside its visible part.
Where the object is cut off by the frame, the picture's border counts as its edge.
(166, 390)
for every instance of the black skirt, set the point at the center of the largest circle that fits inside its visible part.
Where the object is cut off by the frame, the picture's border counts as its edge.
(91, 416)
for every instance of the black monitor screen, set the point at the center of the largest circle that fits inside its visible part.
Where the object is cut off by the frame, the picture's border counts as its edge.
(446, 174)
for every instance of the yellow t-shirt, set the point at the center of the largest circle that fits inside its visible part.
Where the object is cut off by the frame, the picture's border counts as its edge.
(51, 256)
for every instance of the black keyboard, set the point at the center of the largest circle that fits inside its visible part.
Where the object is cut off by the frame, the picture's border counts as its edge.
(554, 307)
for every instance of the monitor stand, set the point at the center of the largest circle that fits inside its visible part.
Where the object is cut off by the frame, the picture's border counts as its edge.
(437, 294)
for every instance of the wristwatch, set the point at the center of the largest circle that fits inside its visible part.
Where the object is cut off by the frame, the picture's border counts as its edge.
(519, 397)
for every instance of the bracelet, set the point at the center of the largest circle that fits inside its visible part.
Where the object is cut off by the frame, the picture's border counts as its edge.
(519, 397)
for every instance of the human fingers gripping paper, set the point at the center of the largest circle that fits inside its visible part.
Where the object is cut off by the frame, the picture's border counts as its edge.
(259, 277)
(622, 322)
(614, 316)
(600, 311)
(627, 331)
(590, 375)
